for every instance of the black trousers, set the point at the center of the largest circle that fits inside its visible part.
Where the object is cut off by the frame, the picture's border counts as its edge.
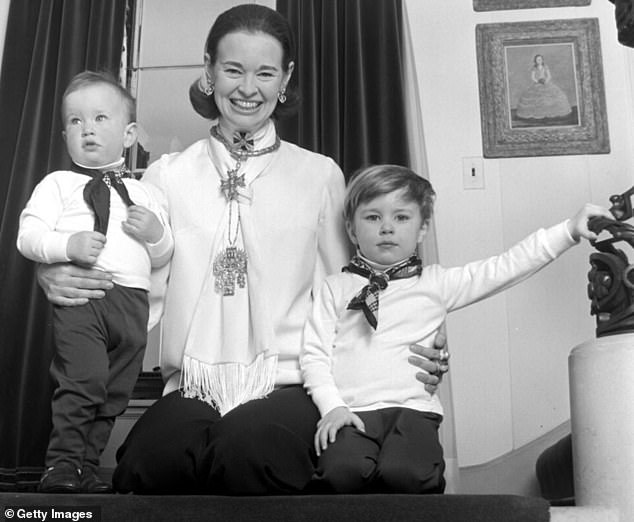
(99, 351)
(183, 446)
(399, 452)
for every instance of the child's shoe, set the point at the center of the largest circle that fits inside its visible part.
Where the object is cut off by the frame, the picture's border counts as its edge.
(91, 483)
(61, 478)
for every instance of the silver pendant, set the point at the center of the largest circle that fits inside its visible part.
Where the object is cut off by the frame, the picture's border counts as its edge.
(230, 267)
(231, 185)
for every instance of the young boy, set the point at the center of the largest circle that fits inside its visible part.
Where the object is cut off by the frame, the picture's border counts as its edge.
(95, 215)
(379, 429)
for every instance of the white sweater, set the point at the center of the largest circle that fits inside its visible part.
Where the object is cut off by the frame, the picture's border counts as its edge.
(346, 363)
(56, 210)
(297, 207)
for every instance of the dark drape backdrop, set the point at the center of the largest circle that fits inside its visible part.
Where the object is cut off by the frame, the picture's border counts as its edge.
(47, 43)
(350, 74)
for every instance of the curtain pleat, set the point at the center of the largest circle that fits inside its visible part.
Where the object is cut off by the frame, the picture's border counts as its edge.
(349, 74)
(46, 44)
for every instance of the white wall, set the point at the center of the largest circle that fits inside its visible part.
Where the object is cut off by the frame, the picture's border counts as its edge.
(509, 354)
(4, 14)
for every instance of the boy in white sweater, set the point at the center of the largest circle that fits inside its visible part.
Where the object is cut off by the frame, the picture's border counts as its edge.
(378, 429)
(96, 215)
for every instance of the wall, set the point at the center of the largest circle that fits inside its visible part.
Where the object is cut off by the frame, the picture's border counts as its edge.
(509, 354)
(4, 14)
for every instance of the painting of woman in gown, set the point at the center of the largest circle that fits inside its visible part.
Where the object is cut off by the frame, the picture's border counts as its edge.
(541, 88)
(544, 102)
(543, 98)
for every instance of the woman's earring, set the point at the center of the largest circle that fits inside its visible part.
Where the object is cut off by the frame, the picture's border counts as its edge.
(281, 96)
(206, 86)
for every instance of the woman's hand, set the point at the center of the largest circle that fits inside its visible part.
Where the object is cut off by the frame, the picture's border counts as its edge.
(331, 423)
(433, 361)
(69, 285)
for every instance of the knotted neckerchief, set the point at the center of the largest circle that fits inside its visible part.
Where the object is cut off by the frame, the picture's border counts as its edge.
(230, 357)
(97, 191)
(367, 300)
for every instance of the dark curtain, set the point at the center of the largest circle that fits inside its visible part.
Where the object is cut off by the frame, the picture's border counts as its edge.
(47, 43)
(349, 72)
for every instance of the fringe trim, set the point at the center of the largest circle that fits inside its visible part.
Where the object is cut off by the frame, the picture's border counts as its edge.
(227, 385)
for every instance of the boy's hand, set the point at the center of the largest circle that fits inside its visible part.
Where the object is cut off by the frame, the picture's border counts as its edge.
(84, 247)
(578, 224)
(331, 423)
(142, 224)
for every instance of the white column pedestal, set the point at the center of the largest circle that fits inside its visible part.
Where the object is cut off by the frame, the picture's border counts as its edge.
(602, 422)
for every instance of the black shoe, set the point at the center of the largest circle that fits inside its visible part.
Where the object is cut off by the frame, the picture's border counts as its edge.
(91, 483)
(61, 478)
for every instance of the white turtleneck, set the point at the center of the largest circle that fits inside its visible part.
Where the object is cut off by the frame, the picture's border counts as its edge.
(57, 210)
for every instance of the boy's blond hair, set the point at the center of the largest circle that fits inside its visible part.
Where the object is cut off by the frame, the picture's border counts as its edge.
(85, 78)
(371, 182)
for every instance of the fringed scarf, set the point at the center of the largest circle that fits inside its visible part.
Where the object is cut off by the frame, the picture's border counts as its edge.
(229, 356)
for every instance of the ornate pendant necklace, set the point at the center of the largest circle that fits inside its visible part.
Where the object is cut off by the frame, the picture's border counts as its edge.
(230, 265)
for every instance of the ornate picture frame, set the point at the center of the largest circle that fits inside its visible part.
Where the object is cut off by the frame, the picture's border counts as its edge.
(498, 5)
(541, 88)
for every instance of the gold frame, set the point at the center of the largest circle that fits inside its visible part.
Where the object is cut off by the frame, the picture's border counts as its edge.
(495, 5)
(576, 45)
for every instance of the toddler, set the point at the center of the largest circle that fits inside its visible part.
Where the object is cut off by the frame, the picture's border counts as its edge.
(95, 215)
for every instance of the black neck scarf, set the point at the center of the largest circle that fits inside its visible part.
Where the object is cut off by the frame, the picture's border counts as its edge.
(97, 192)
(367, 300)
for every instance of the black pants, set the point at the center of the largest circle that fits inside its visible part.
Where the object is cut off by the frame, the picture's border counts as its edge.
(399, 452)
(99, 351)
(183, 446)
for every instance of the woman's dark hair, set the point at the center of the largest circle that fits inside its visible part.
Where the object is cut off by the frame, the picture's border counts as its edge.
(251, 18)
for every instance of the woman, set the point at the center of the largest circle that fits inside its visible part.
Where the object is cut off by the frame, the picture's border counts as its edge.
(543, 98)
(257, 224)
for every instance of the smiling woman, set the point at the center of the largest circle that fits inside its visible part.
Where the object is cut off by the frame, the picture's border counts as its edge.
(240, 220)
(247, 80)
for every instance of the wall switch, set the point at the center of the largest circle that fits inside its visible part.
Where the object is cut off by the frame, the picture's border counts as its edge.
(473, 173)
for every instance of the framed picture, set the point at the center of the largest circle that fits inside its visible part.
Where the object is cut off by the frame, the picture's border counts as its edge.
(495, 5)
(541, 88)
